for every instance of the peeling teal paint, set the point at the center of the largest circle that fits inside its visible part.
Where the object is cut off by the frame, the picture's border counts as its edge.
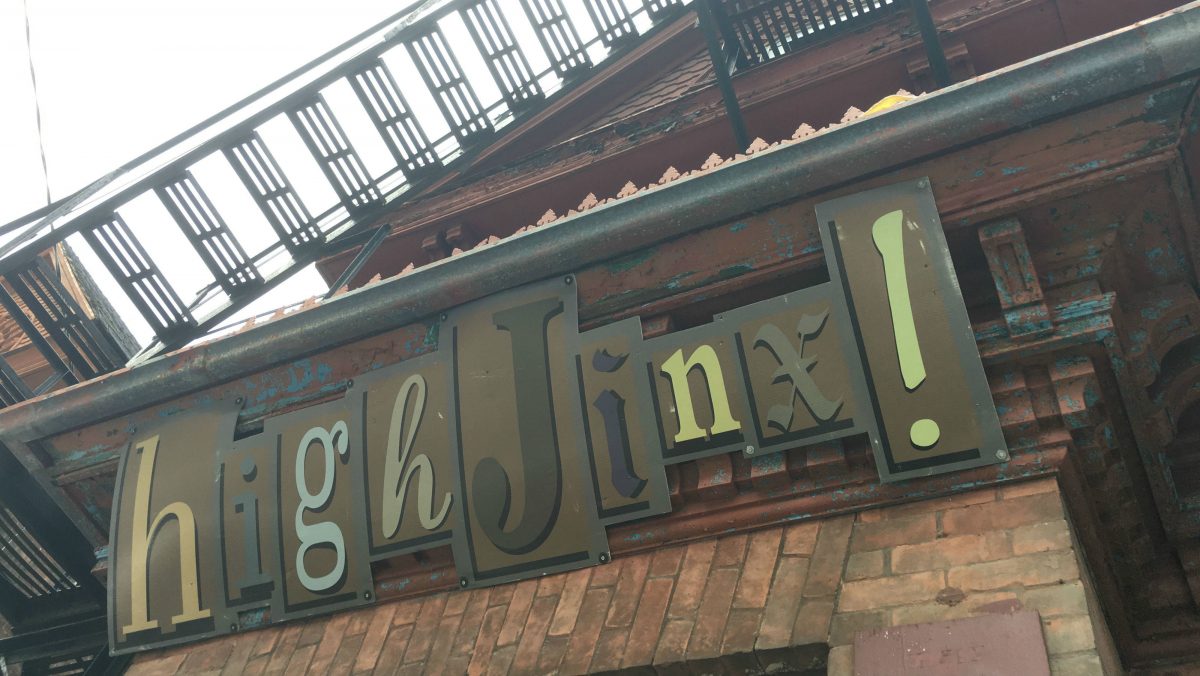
(627, 263)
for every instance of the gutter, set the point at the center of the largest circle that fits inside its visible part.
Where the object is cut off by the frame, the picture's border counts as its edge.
(1139, 57)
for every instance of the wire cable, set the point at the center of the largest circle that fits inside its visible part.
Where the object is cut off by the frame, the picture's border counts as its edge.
(37, 107)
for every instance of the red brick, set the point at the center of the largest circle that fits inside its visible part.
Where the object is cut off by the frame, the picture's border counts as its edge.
(552, 654)
(715, 477)
(258, 665)
(652, 608)
(829, 556)
(312, 632)
(893, 532)
(267, 639)
(456, 602)
(1056, 599)
(672, 645)
(690, 585)
(784, 600)
(534, 634)
(392, 655)
(769, 471)
(359, 619)
(844, 626)
(502, 594)
(758, 570)
(158, 664)
(609, 649)
(812, 622)
(799, 539)
(1042, 537)
(606, 575)
(381, 622)
(864, 565)
(300, 659)
(741, 628)
(1068, 634)
(1019, 489)
(928, 505)
(207, 656)
(518, 610)
(284, 648)
(423, 630)
(407, 611)
(1004, 514)
(443, 641)
(951, 551)
(570, 602)
(629, 588)
(468, 629)
(335, 628)
(501, 661)
(891, 591)
(587, 630)
(551, 585)
(241, 651)
(710, 619)
(343, 661)
(731, 551)
(489, 629)
(1030, 570)
(666, 562)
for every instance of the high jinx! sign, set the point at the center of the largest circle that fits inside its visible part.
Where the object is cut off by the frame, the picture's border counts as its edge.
(520, 439)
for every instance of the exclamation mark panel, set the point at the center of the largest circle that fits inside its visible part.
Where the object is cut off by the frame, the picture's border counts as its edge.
(888, 235)
(887, 254)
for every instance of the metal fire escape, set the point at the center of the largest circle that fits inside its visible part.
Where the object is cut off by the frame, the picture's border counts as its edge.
(534, 51)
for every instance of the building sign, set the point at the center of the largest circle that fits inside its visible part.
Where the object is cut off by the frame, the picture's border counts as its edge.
(520, 439)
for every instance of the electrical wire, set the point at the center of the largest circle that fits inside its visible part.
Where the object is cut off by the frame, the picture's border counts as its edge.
(37, 107)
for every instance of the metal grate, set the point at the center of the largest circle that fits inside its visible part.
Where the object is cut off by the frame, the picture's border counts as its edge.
(505, 60)
(196, 216)
(331, 148)
(444, 76)
(613, 21)
(304, 225)
(768, 29)
(24, 563)
(263, 178)
(393, 118)
(128, 263)
(63, 323)
(558, 37)
(12, 388)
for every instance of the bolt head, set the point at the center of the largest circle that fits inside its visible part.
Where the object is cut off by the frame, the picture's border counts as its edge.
(367, 595)
(443, 316)
(349, 383)
(463, 582)
(750, 450)
(568, 280)
(233, 627)
(1002, 454)
(238, 401)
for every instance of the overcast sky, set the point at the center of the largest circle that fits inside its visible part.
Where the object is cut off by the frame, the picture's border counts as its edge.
(117, 77)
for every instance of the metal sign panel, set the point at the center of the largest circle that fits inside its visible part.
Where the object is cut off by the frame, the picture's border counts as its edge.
(520, 439)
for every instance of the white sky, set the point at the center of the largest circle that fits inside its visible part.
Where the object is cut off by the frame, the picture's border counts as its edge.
(117, 77)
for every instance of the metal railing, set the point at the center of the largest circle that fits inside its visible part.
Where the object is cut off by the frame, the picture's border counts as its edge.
(423, 92)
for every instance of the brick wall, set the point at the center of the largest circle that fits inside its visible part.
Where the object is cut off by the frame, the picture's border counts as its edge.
(772, 598)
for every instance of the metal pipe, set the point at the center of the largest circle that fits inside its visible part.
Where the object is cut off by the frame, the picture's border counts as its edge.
(1118, 64)
(721, 70)
(933, 46)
